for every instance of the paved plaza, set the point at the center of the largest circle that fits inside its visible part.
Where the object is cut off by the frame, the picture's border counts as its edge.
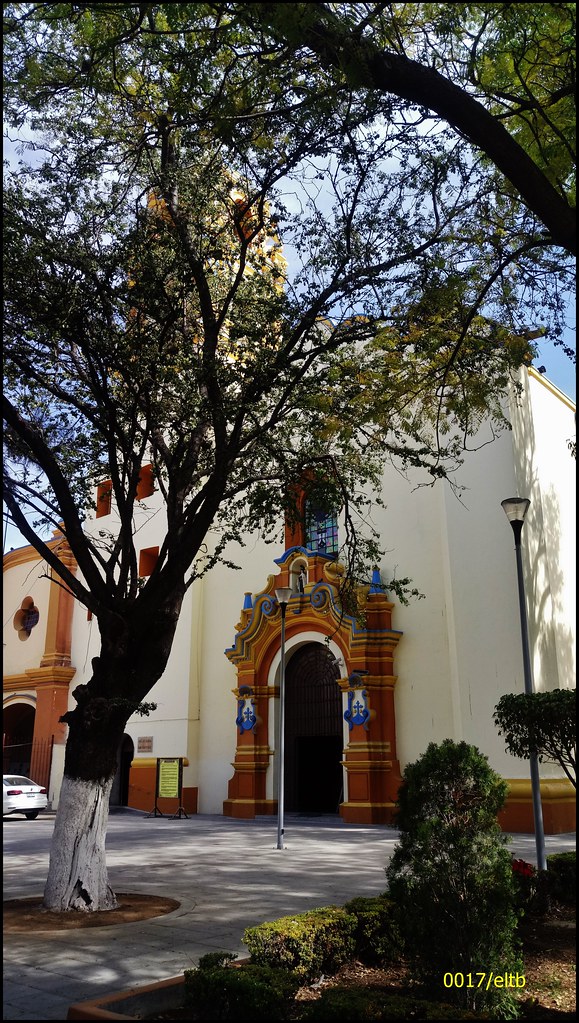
(226, 874)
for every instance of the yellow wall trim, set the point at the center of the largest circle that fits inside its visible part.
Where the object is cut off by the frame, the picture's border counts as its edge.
(17, 682)
(551, 789)
(358, 803)
(552, 388)
(33, 678)
(152, 761)
(21, 556)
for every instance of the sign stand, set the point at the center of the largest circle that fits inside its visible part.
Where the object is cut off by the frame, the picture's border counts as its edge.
(155, 812)
(169, 785)
(180, 813)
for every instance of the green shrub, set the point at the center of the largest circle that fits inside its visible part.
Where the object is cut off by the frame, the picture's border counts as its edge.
(367, 1003)
(531, 889)
(213, 959)
(451, 876)
(244, 992)
(377, 935)
(311, 943)
(562, 877)
(535, 888)
(541, 723)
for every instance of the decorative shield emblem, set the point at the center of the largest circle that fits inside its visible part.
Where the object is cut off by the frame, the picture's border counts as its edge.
(357, 712)
(246, 719)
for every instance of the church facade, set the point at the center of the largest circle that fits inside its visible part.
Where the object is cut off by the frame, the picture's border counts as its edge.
(364, 693)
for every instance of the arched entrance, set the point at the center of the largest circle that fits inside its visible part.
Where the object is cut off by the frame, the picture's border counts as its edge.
(314, 739)
(18, 735)
(318, 751)
(120, 791)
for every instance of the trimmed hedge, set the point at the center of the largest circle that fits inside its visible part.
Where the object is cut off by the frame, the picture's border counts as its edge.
(377, 936)
(235, 993)
(562, 877)
(311, 943)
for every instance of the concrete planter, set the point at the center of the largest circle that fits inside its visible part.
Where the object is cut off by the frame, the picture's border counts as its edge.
(137, 1002)
(134, 1002)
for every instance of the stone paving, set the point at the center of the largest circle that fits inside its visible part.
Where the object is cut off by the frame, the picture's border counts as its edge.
(226, 874)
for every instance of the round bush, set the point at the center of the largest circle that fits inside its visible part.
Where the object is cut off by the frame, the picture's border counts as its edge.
(451, 877)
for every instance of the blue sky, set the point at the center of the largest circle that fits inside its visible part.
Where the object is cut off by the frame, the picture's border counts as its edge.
(560, 369)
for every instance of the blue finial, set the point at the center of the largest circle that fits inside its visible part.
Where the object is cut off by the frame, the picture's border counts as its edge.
(247, 602)
(376, 586)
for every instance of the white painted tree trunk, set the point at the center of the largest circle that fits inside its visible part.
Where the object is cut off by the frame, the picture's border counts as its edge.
(77, 874)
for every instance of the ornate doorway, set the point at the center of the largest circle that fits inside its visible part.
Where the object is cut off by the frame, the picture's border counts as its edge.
(314, 732)
(318, 752)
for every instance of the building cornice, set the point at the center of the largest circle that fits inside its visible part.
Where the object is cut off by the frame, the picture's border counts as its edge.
(552, 388)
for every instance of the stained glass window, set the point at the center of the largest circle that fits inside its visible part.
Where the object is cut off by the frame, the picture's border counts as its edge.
(322, 532)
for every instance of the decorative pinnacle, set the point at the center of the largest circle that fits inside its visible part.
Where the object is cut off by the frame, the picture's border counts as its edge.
(376, 586)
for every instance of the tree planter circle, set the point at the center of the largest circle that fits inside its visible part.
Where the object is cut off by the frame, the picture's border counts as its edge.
(28, 914)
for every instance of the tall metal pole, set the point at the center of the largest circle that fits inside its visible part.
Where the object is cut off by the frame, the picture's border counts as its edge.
(281, 765)
(535, 778)
(517, 526)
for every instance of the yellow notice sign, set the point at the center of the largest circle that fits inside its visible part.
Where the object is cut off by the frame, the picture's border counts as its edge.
(169, 779)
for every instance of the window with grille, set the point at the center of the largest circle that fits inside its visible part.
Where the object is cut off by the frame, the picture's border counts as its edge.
(26, 618)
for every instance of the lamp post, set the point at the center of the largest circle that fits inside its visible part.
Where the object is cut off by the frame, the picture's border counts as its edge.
(515, 508)
(283, 595)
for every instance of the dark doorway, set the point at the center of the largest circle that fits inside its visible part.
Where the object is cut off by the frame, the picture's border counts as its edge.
(314, 733)
(18, 732)
(120, 791)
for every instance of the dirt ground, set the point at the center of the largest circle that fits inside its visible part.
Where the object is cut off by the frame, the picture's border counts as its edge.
(28, 914)
(549, 952)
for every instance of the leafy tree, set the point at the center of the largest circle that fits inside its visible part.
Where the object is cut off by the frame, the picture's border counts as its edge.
(480, 96)
(451, 877)
(168, 337)
(502, 75)
(541, 723)
(479, 67)
(151, 317)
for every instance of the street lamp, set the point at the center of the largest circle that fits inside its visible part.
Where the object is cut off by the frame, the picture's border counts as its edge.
(283, 595)
(515, 509)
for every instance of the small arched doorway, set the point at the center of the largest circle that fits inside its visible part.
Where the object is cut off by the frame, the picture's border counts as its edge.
(313, 732)
(18, 734)
(120, 791)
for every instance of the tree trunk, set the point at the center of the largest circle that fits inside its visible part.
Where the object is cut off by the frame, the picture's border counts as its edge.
(132, 658)
(77, 874)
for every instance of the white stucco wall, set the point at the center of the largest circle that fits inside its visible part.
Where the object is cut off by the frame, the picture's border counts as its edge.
(460, 648)
(20, 581)
(543, 421)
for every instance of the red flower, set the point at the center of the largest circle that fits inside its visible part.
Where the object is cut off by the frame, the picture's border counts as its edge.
(523, 868)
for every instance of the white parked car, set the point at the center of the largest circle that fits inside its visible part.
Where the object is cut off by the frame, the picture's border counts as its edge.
(22, 795)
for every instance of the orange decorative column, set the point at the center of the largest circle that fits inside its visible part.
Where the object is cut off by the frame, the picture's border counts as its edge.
(372, 767)
(52, 679)
(247, 787)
